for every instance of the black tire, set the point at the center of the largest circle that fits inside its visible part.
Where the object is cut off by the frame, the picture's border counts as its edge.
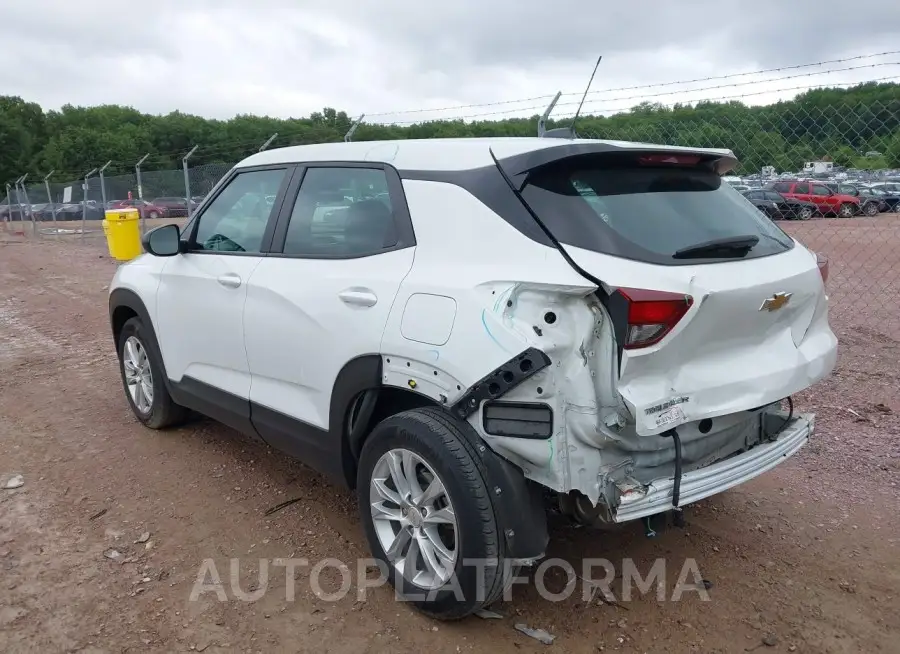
(847, 210)
(163, 411)
(871, 209)
(441, 441)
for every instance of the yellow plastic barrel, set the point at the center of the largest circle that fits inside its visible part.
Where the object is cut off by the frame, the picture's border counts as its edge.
(123, 233)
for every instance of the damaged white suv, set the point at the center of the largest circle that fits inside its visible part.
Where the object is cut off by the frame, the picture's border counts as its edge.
(459, 328)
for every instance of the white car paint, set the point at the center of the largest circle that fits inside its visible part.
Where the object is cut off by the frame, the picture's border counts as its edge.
(305, 318)
(200, 319)
(281, 337)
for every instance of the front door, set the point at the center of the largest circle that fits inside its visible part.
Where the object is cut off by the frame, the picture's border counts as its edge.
(201, 296)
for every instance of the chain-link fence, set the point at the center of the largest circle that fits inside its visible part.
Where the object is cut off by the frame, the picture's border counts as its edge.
(830, 177)
(829, 173)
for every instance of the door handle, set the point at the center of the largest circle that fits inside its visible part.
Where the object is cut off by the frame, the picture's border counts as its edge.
(358, 296)
(229, 280)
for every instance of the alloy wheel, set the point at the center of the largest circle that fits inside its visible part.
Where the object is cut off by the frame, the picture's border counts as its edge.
(413, 518)
(138, 376)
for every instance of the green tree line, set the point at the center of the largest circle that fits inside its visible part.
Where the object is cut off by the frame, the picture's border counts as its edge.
(856, 127)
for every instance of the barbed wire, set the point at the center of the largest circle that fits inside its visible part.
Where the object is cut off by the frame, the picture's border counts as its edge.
(228, 148)
(643, 86)
(596, 111)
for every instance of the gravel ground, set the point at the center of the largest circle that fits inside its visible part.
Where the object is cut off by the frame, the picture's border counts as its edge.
(803, 559)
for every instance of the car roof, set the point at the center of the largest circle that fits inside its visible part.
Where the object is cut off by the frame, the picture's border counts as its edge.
(443, 154)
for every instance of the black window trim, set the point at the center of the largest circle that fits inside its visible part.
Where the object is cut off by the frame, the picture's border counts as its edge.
(406, 237)
(266, 244)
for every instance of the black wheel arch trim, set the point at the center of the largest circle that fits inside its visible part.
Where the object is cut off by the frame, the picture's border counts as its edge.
(500, 381)
(518, 502)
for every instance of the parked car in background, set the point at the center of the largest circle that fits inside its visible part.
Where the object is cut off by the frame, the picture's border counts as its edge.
(891, 199)
(175, 207)
(869, 203)
(73, 211)
(146, 209)
(890, 187)
(778, 207)
(13, 212)
(828, 202)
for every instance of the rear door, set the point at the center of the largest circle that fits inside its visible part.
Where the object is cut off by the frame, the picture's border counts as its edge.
(342, 246)
(715, 329)
(803, 191)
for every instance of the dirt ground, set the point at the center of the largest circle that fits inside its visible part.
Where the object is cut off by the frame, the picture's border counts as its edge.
(803, 559)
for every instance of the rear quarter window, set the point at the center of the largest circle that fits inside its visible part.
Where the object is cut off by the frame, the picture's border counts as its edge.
(647, 213)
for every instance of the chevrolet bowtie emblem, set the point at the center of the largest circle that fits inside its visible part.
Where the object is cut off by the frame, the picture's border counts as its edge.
(775, 302)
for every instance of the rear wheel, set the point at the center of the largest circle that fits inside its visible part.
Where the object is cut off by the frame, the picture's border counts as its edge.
(804, 213)
(426, 510)
(143, 377)
(846, 211)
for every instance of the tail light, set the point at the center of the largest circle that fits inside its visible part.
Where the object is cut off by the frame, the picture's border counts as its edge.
(652, 315)
(822, 262)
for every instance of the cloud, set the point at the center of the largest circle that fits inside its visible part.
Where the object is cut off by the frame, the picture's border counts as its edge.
(218, 58)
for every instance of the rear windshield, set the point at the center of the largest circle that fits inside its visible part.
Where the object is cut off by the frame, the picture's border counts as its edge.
(647, 213)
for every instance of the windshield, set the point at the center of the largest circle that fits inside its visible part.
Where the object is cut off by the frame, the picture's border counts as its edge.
(647, 213)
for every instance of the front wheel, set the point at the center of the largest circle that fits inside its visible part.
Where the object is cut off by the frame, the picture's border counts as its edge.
(871, 209)
(428, 515)
(144, 378)
(847, 210)
(154, 215)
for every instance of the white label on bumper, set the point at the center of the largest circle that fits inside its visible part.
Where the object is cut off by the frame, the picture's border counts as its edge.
(670, 416)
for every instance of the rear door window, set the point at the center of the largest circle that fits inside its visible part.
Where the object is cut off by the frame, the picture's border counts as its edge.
(342, 213)
(646, 213)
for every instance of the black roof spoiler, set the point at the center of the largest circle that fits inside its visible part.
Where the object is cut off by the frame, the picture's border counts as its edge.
(518, 166)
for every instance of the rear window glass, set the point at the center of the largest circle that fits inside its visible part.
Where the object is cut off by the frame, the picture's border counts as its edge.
(647, 213)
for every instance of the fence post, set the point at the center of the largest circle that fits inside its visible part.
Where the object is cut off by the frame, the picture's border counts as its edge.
(34, 229)
(268, 143)
(18, 203)
(84, 193)
(103, 184)
(542, 123)
(140, 189)
(8, 218)
(349, 135)
(50, 200)
(187, 181)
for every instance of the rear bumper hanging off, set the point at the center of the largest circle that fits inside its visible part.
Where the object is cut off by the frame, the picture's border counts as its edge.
(656, 497)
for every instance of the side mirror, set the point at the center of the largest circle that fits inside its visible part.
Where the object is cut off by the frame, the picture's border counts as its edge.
(164, 241)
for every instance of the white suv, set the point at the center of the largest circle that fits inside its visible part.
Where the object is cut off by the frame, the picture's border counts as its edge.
(461, 328)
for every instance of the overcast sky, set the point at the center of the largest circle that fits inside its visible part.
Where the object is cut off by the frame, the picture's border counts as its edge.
(218, 58)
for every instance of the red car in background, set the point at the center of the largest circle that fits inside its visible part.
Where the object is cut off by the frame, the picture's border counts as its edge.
(146, 209)
(828, 202)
